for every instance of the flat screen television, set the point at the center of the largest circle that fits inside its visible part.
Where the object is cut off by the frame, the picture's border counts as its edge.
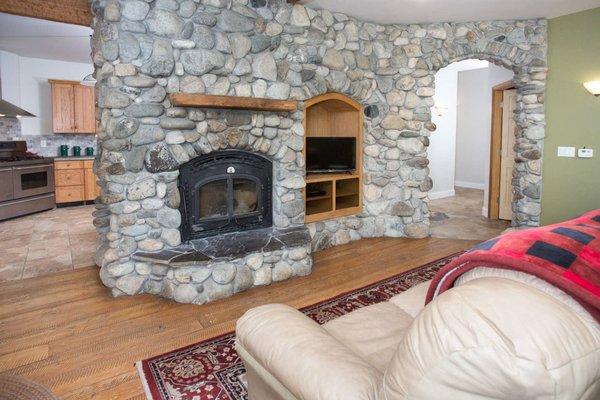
(330, 154)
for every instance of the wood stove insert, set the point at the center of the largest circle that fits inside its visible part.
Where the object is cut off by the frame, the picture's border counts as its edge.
(225, 191)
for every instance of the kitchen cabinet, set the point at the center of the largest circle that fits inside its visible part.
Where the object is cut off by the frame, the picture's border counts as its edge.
(74, 181)
(73, 107)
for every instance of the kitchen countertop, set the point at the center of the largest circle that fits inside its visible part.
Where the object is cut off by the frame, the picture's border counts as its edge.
(69, 158)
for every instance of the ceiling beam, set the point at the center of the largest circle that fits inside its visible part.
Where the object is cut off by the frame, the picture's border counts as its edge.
(77, 12)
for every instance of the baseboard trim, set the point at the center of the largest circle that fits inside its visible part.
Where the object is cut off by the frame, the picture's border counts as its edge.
(470, 185)
(442, 194)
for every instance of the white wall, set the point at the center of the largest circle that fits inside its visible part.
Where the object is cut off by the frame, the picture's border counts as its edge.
(442, 148)
(25, 83)
(472, 128)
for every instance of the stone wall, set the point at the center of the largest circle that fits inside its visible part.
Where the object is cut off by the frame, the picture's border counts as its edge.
(145, 49)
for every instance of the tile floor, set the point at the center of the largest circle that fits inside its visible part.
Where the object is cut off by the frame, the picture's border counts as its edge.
(464, 219)
(43, 243)
(65, 238)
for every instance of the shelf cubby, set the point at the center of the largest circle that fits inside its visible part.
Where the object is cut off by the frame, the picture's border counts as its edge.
(337, 194)
(347, 194)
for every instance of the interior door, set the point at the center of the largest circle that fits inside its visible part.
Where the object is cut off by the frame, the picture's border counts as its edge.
(63, 118)
(85, 118)
(507, 162)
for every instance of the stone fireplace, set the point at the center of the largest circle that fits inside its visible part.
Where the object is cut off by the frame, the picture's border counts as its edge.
(219, 217)
(186, 211)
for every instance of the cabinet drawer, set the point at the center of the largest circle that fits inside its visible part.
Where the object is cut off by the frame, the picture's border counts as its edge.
(75, 164)
(67, 194)
(88, 164)
(69, 177)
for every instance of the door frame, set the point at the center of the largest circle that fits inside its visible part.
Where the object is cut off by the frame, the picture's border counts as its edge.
(496, 148)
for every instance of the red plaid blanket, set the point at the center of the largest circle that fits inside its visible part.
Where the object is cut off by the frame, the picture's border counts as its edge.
(566, 255)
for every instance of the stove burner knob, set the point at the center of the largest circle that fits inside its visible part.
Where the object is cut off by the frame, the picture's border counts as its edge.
(230, 170)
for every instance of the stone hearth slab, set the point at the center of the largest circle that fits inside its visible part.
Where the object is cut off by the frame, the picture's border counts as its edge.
(228, 246)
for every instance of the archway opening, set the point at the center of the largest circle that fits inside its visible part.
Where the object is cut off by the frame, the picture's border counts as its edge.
(472, 193)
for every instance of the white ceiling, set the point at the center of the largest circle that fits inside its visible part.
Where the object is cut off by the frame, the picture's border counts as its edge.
(413, 11)
(38, 38)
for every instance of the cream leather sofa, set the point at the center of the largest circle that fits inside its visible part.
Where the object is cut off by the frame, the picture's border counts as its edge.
(496, 335)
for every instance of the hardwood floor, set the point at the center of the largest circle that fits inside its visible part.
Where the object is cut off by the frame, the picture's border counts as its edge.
(66, 332)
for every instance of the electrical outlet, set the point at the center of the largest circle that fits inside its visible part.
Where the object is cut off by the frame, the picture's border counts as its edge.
(43, 143)
(566, 151)
(585, 153)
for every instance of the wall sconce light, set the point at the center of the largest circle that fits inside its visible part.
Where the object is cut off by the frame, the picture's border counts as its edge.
(593, 87)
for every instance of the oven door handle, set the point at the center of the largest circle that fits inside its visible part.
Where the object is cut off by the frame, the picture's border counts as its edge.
(5, 169)
(33, 167)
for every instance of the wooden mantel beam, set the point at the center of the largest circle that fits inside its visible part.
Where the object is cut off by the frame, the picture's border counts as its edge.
(77, 12)
(232, 102)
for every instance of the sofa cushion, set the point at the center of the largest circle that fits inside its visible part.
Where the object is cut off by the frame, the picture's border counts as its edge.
(303, 357)
(534, 282)
(412, 301)
(499, 339)
(372, 332)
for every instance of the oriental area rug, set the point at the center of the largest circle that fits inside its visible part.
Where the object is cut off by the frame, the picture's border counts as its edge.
(212, 370)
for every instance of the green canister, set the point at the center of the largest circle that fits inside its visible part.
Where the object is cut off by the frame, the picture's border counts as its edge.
(76, 151)
(64, 150)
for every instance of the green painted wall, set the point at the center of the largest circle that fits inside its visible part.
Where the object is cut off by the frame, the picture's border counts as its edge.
(571, 186)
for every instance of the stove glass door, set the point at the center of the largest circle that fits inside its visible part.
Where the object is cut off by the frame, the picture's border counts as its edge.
(33, 180)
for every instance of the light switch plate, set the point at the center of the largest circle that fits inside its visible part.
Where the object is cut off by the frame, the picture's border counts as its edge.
(566, 151)
(585, 153)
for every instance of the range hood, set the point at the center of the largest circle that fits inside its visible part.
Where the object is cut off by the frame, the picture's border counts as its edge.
(10, 110)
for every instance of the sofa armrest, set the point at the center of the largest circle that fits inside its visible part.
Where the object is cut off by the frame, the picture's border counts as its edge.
(303, 357)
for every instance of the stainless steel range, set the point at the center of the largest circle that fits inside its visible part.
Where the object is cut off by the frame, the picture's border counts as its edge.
(26, 181)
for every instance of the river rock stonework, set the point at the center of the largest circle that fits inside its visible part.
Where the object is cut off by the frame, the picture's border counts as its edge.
(145, 49)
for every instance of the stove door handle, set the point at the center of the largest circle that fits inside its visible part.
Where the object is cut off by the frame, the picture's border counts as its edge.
(5, 169)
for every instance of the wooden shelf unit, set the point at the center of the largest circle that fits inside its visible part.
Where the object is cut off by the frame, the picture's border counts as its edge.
(232, 102)
(334, 115)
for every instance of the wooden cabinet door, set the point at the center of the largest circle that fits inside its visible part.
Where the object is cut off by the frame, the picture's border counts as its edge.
(69, 194)
(69, 177)
(63, 112)
(91, 188)
(85, 109)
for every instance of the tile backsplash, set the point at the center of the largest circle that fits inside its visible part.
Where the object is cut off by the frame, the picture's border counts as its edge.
(44, 145)
(9, 128)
